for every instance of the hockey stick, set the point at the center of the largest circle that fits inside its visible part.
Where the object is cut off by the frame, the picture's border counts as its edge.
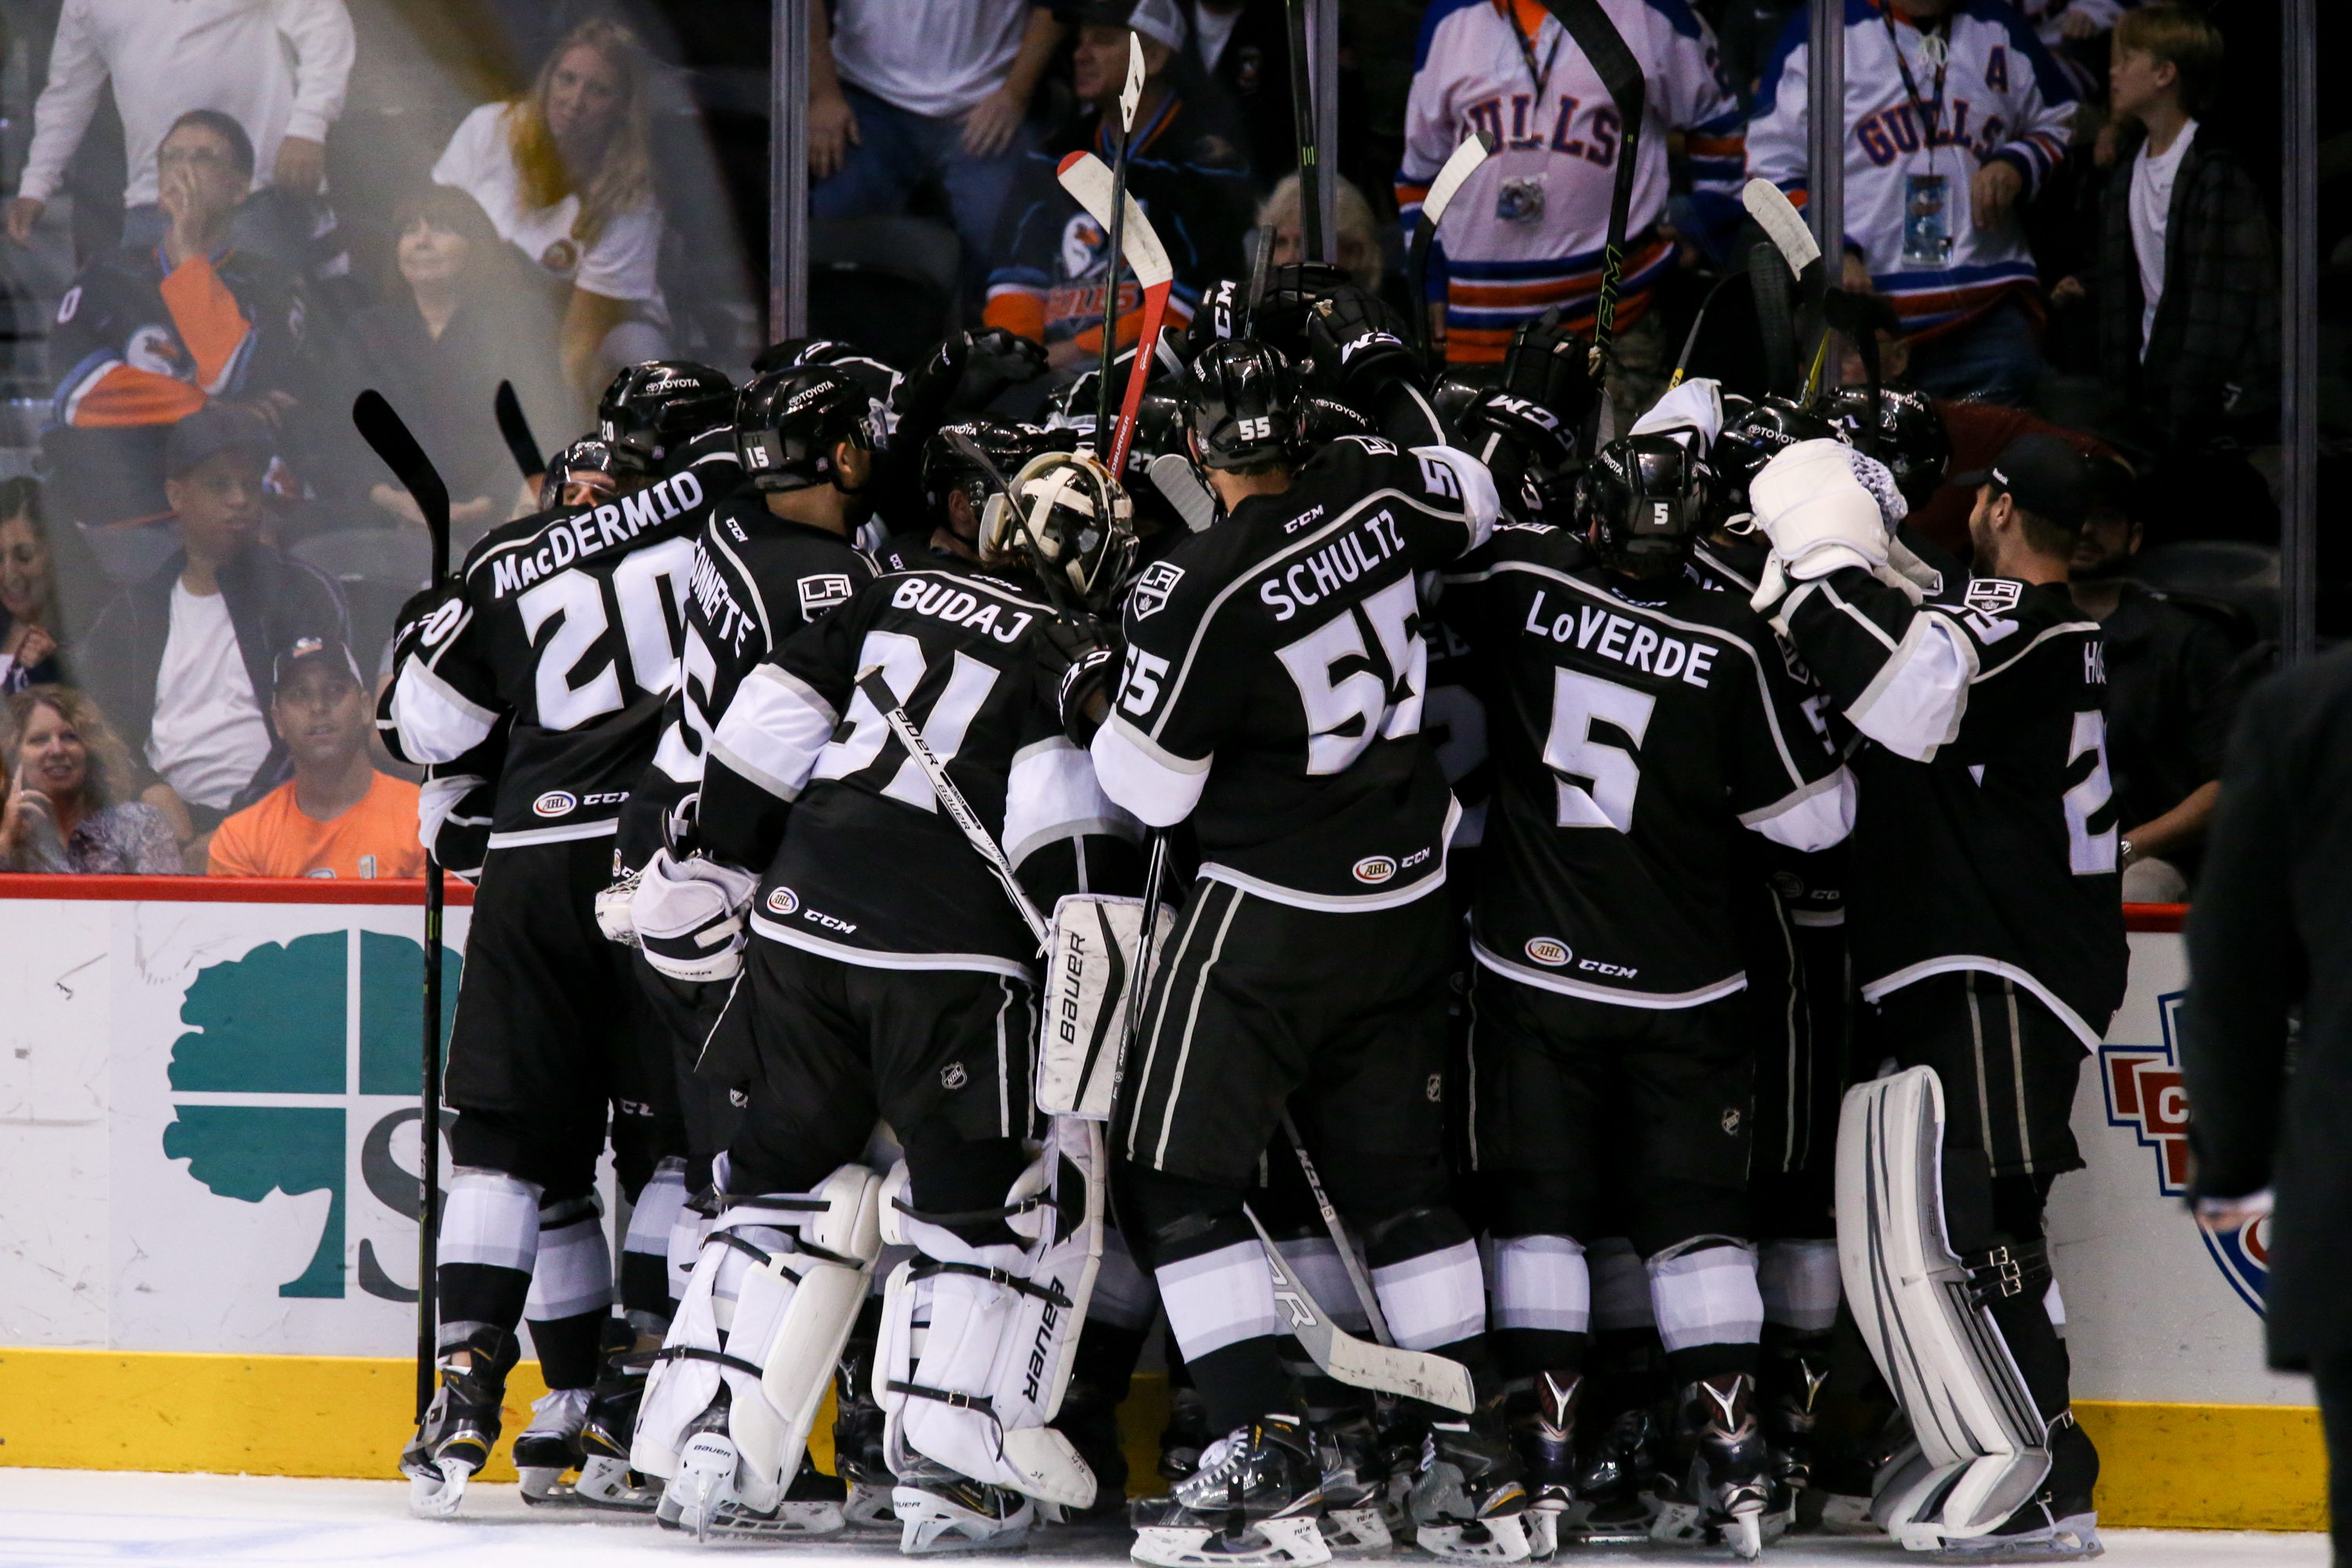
(382, 429)
(1261, 265)
(1302, 125)
(516, 430)
(1130, 95)
(1181, 484)
(1690, 339)
(894, 713)
(1365, 1296)
(1385, 1369)
(1094, 187)
(1785, 228)
(1773, 320)
(1621, 73)
(1465, 162)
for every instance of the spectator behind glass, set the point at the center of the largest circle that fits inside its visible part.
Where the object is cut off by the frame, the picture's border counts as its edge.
(2187, 280)
(460, 322)
(147, 336)
(2172, 692)
(565, 174)
(337, 816)
(30, 625)
(1359, 244)
(278, 68)
(1935, 215)
(906, 92)
(1186, 170)
(68, 781)
(183, 659)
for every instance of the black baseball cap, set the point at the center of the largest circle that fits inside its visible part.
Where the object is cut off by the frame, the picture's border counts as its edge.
(325, 652)
(210, 431)
(2043, 475)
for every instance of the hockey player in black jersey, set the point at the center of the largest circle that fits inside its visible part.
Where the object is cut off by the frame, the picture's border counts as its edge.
(1638, 720)
(1988, 941)
(888, 974)
(559, 630)
(1271, 697)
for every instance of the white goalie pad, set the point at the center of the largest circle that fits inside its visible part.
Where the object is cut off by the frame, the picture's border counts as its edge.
(688, 917)
(977, 1341)
(1984, 1445)
(1090, 977)
(767, 1311)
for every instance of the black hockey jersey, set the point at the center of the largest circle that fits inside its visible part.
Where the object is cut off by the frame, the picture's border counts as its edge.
(869, 870)
(569, 621)
(1986, 837)
(756, 579)
(1635, 727)
(1277, 668)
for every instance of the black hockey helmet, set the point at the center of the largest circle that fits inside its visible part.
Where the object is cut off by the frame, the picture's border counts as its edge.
(1069, 522)
(1643, 499)
(946, 468)
(1904, 432)
(799, 350)
(1754, 433)
(585, 470)
(1322, 418)
(650, 410)
(787, 423)
(1240, 400)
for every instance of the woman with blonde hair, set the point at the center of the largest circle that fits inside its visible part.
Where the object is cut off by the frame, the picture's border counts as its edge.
(1359, 244)
(565, 175)
(67, 781)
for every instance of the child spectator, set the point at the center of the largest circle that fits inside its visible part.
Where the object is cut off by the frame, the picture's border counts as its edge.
(67, 782)
(565, 174)
(337, 816)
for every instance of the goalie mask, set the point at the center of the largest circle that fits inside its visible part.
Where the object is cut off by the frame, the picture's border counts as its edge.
(581, 475)
(1070, 520)
(1642, 501)
(649, 410)
(1754, 433)
(788, 421)
(1240, 400)
(1904, 432)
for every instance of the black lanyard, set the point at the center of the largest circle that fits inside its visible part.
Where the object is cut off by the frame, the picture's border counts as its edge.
(1931, 117)
(1541, 78)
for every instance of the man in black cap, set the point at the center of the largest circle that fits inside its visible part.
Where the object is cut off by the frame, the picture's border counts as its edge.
(1987, 927)
(183, 662)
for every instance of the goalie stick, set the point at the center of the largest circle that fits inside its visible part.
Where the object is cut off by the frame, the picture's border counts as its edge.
(1621, 73)
(515, 429)
(1384, 1369)
(1092, 184)
(383, 430)
(1463, 162)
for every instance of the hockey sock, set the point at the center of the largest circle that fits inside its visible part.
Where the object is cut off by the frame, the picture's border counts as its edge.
(646, 1293)
(1800, 1283)
(1710, 1314)
(1542, 1310)
(1426, 1273)
(571, 1291)
(1118, 1319)
(489, 1239)
(1219, 1298)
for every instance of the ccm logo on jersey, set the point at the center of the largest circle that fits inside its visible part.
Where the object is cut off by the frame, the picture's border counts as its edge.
(1152, 590)
(822, 590)
(1307, 580)
(554, 803)
(1549, 952)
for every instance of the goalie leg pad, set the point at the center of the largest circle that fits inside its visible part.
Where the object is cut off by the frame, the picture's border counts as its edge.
(1984, 1445)
(977, 1341)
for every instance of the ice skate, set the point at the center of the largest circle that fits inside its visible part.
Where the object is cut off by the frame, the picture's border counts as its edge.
(2058, 1525)
(607, 1482)
(1722, 1494)
(1469, 1503)
(549, 1449)
(1090, 1421)
(940, 1510)
(1186, 1433)
(461, 1426)
(1543, 1430)
(1355, 1484)
(1253, 1498)
(705, 1498)
(857, 1452)
(1795, 1369)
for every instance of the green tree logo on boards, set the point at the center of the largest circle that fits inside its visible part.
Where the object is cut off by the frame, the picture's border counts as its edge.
(273, 1074)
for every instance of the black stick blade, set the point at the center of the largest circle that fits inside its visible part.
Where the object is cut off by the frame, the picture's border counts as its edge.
(383, 430)
(516, 430)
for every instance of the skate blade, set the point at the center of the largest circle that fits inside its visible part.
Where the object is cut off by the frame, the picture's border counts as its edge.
(545, 1488)
(1295, 1542)
(1543, 1531)
(436, 1489)
(868, 1508)
(927, 1529)
(1356, 1530)
(1680, 1524)
(1502, 1538)
(1744, 1534)
(2073, 1539)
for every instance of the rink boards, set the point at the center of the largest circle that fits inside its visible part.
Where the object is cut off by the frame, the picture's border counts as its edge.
(207, 1193)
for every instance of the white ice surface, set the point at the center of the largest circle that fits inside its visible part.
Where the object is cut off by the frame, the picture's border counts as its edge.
(162, 1520)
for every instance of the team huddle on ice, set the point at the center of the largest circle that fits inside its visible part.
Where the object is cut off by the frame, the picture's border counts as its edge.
(1339, 861)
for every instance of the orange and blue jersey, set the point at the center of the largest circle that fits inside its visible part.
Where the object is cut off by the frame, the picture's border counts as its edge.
(146, 343)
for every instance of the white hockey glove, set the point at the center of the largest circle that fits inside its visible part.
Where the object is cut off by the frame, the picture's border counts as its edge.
(688, 917)
(1693, 408)
(613, 916)
(1818, 515)
(453, 821)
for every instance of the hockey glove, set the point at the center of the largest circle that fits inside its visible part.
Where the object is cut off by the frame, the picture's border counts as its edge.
(1355, 353)
(1292, 291)
(1818, 515)
(453, 821)
(614, 908)
(689, 917)
(1218, 318)
(987, 361)
(1546, 365)
(1088, 687)
(1534, 432)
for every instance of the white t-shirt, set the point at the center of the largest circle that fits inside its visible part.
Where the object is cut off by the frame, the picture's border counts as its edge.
(932, 58)
(1215, 30)
(619, 266)
(208, 738)
(2151, 208)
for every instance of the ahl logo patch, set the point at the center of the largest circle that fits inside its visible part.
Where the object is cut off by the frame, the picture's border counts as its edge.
(783, 901)
(1151, 589)
(554, 803)
(1994, 595)
(1375, 869)
(2144, 1092)
(821, 591)
(1550, 950)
